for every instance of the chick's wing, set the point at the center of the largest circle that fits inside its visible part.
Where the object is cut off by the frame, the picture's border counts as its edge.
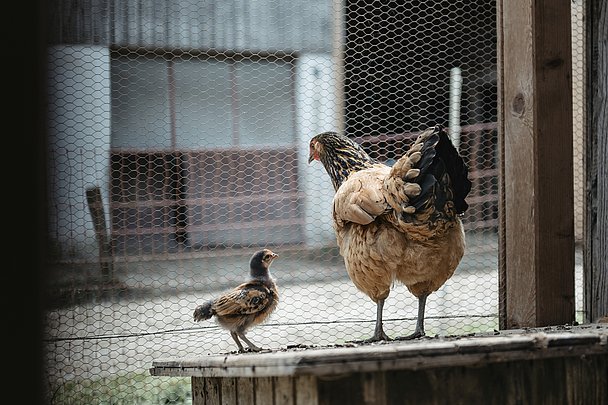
(247, 298)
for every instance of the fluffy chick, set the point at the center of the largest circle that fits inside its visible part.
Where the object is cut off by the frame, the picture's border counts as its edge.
(246, 305)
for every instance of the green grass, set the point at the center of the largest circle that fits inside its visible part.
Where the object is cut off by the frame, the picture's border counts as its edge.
(131, 389)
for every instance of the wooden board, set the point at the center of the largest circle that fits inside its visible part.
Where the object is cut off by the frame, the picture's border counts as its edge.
(535, 121)
(596, 193)
(417, 355)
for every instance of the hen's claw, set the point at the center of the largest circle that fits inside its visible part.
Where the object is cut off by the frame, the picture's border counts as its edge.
(415, 335)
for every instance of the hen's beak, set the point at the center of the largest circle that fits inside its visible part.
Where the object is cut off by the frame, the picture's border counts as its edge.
(274, 256)
(312, 154)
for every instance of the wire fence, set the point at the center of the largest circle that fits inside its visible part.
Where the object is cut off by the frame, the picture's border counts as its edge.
(178, 144)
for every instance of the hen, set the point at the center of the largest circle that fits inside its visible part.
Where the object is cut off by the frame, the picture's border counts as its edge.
(399, 223)
(246, 305)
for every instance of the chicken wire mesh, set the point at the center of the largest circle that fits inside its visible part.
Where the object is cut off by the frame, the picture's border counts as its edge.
(179, 144)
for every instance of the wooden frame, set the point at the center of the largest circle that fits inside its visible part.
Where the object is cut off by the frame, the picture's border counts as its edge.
(596, 195)
(536, 261)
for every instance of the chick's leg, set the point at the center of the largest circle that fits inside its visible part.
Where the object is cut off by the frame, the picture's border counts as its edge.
(238, 343)
(419, 331)
(251, 345)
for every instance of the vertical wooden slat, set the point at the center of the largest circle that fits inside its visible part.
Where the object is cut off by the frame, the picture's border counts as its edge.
(555, 178)
(98, 217)
(198, 390)
(596, 187)
(264, 392)
(283, 391)
(374, 388)
(306, 393)
(517, 96)
(536, 126)
(212, 391)
(245, 391)
(229, 391)
(502, 258)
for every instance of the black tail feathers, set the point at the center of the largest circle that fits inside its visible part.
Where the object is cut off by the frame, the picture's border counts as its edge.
(440, 157)
(204, 311)
(456, 169)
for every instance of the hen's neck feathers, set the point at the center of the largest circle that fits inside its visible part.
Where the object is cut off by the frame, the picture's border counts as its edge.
(342, 156)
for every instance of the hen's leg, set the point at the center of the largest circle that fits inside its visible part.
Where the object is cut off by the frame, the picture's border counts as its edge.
(238, 343)
(419, 332)
(379, 330)
(251, 345)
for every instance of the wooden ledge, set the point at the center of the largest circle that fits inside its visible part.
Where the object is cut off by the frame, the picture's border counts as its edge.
(476, 350)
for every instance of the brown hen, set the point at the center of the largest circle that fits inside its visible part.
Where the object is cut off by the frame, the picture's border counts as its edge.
(246, 305)
(398, 223)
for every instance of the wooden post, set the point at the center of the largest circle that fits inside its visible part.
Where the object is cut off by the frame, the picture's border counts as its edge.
(596, 190)
(99, 222)
(535, 125)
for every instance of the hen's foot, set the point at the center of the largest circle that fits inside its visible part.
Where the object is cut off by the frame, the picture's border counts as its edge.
(415, 335)
(378, 337)
(250, 349)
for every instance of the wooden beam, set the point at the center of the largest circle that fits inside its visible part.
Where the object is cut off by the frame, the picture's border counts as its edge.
(535, 122)
(98, 217)
(325, 362)
(596, 189)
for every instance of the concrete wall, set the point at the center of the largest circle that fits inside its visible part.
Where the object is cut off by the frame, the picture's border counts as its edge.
(317, 112)
(79, 143)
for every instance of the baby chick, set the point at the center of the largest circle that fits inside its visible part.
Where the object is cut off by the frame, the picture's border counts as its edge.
(248, 304)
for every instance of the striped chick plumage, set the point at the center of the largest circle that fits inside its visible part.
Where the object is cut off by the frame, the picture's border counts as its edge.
(248, 304)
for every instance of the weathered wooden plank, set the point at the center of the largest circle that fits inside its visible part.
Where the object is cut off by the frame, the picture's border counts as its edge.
(550, 381)
(95, 203)
(198, 390)
(596, 194)
(306, 390)
(212, 391)
(565, 365)
(339, 389)
(374, 388)
(587, 380)
(554, 160)
(228, 390)
(563, 380)
(264, 391)
(536, 125)
(245, 390)
(476, 350)
(516, 123)
(502, 253)
(283, 391)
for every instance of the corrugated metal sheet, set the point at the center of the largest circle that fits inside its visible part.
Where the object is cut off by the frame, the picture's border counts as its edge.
(189, 24)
